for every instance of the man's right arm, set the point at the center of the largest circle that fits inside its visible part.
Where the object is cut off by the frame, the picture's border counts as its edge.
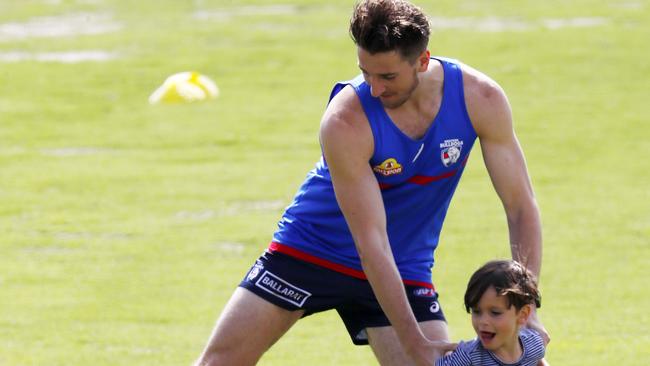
(347, 144)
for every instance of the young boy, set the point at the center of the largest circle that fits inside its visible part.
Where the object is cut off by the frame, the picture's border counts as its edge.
(500, 296)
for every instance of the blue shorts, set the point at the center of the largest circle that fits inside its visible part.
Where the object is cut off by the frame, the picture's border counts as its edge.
(294, 284)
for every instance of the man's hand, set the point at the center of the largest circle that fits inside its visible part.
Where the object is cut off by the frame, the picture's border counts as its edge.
(535, 324)
(427, 354)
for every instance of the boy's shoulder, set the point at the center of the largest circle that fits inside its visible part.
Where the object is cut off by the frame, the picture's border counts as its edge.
(531, 336)
(465, 354)
(533, 343)
(470, 346)
(472, 352)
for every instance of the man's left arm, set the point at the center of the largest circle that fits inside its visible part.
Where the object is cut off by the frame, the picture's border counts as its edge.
(491, 116)
(506, 166)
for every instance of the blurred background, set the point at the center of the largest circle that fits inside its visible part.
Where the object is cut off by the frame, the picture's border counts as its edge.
(126, 226)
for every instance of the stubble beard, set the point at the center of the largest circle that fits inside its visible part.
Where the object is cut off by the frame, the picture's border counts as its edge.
(407, 95)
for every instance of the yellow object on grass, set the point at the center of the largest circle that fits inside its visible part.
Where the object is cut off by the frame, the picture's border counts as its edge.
(185, 87)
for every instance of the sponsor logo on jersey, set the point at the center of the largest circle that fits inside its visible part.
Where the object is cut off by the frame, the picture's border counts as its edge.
(423, 292)
(282, 289)
(435, 307)
(390, 166)
(450, 151)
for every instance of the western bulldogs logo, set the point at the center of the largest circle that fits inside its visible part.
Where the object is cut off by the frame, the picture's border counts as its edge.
(450, 151)
(257, 267)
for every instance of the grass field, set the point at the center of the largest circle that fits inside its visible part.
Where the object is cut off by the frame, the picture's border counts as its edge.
(125, 226)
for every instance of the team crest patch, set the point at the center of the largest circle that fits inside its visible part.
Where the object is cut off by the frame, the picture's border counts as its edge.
(257, 267)
(390, 166)
(450, 151)
(282, 289)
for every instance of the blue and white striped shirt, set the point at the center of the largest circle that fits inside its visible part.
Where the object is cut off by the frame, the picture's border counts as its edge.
(472, 353)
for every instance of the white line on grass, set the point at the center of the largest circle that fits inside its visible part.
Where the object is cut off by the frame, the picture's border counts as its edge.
(59, 26)
(67, 57)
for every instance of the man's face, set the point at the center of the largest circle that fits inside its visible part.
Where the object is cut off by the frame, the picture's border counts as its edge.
(392, 78)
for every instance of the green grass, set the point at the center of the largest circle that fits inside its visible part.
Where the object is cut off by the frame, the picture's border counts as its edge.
(125, 227)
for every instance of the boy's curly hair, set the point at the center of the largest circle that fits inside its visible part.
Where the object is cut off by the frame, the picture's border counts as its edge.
(509, 278)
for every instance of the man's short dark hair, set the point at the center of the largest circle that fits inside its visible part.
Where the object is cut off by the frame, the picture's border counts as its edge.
(390, 25)
(509, 278)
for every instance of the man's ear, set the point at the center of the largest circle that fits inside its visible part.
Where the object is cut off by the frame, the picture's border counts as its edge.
(423, 61)
(523, 314)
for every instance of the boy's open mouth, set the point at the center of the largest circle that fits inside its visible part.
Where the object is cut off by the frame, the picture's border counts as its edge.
(486, 336)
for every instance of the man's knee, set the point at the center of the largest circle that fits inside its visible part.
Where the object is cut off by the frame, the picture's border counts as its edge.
(227, 355)
(387, 348)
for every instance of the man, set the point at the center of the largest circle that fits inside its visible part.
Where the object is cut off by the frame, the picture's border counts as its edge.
(360, 234)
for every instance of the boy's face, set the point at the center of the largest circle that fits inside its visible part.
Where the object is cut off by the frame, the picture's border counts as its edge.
(497, 325)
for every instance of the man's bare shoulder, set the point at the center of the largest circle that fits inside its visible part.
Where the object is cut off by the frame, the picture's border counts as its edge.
(478, 85)
(345, 124)
(487, 104)
(344, 109)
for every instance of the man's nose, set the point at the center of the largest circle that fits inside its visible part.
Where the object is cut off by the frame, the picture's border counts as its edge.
(376, 87)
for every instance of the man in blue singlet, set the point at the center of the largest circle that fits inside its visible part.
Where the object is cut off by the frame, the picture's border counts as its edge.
(360, 234)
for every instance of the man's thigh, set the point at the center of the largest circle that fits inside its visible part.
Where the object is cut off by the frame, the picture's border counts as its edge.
(387, 348)
(276, 292)
(247, 327)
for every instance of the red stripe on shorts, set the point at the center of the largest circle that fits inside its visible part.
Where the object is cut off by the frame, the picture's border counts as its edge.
(299, 254)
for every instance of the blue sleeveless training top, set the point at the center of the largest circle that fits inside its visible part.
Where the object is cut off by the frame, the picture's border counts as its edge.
(417, 179)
